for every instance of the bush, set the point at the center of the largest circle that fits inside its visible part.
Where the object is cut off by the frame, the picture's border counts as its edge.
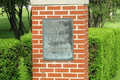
(9, 59)
(117, 45)
(10, 52)
(103, 54)
(104, 57)
(27, 53)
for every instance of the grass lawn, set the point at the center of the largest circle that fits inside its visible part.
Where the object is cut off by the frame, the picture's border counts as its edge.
(5, 33)
(115, 23)
(5, 25)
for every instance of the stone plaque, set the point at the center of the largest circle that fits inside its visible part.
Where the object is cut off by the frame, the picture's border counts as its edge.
(58, 39)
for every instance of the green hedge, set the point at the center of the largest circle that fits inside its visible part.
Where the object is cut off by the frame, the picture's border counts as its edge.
(27, 53)
(11, 50)
(104, 45)
(104, 57)
(117, 45)
(9, 59)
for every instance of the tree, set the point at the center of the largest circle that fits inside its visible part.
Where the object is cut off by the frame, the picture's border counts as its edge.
(9, 8)
(100, 10)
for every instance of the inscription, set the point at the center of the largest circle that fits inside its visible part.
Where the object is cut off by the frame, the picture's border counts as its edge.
(57, 50)
(57, 39)
(54, 39)
(58, 28)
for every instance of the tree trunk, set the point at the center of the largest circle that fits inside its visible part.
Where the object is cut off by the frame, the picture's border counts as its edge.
(21, 21)
(17, 26)
(15, 29)
(21, 31)
(96, 22)
(13, 21)
(89, 23)
(11, 28)
(104, 21)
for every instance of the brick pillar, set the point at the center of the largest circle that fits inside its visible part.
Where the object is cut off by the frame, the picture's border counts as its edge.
(61, 70)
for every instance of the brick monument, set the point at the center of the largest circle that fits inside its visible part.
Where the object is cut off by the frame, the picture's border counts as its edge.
(60, 39)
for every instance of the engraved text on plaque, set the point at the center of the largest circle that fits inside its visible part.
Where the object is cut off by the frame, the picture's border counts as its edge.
(58, 39)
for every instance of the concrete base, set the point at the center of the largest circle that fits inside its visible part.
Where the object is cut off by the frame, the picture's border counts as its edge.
(58, 2)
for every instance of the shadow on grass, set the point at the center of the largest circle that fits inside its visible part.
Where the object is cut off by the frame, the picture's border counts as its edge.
(6, 34)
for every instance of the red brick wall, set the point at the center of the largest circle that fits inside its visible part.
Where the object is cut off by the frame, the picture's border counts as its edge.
(61, 70)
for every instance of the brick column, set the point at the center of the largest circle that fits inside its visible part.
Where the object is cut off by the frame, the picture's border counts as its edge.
(61, 70)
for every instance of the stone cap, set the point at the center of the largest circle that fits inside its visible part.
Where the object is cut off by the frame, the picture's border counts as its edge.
(59, 2)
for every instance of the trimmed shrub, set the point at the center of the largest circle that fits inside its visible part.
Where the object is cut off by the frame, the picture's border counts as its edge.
(104, 57)
(27, 53)
(9, 59)
(117, 45)
(10, 52)
(103, 54)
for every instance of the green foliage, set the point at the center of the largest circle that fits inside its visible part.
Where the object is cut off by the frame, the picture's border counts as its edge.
(10, 52)
(27, 40)
(117, 45)
(9, 59)
(116, 3)
(27, 53)
(101, 11)
(104, 57)
(104, 45)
